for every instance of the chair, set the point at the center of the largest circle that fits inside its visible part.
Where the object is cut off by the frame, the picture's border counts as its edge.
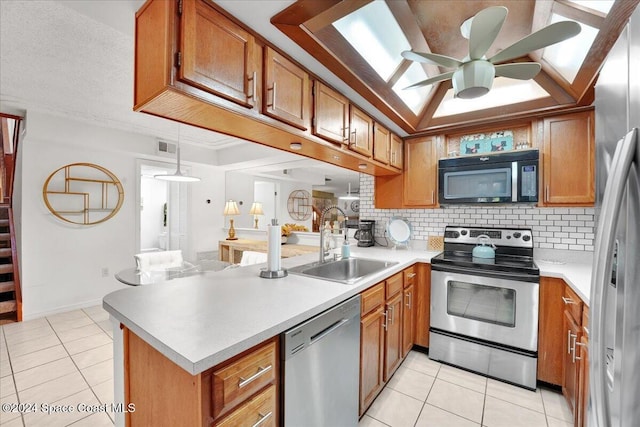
(158, 261)
(251, 257)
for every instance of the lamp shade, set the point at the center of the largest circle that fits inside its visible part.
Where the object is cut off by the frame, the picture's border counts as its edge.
(256, 209)
(231, 208)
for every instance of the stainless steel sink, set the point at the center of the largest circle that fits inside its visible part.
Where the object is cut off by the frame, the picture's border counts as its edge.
(347, 270)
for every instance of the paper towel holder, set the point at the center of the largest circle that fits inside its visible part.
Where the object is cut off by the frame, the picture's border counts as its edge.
(265, 273)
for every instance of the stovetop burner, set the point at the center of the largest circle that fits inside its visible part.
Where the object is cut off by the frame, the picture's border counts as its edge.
(514, 250)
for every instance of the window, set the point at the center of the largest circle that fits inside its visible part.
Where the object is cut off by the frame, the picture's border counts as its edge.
(414, 98)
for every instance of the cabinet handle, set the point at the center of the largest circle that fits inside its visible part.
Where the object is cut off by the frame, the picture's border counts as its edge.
(393, 157)
(433, 197)
(393, 311)
(568, 301)
(352, 141)
(571, 347)
(253, 87)
(546, 193)
(273, 96)
(386, 317)
(411, 275)
(408, 295)
(568, 341)
(243, 382)
(263, 418)
(581, 344)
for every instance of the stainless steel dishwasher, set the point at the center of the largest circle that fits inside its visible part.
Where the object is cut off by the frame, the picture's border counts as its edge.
(322, 368)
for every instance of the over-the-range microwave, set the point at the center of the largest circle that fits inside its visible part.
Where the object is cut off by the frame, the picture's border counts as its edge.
(493, 178)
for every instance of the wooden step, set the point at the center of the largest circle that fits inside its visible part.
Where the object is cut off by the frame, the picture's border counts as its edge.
(6, 268)
(5, 236)
(8, 306)
(5, 252)
(7, 287)
(4, 222)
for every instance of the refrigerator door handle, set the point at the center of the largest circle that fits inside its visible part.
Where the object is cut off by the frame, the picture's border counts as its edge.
(605, 237)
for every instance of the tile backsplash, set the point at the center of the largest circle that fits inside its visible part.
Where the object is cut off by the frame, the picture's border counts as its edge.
(553, 228)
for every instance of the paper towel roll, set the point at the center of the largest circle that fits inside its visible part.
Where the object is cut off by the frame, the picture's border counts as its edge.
(274, 243)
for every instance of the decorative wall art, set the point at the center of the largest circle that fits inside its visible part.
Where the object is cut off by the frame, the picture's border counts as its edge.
(483, 143)
(83, 193)
(299, 205)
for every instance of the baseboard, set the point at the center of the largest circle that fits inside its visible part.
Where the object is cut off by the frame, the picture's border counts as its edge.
(37, 315)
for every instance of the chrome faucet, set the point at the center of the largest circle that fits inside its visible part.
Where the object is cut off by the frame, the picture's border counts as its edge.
(324, 254)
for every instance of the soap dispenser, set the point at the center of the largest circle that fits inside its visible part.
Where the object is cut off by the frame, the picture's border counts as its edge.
(346, 249)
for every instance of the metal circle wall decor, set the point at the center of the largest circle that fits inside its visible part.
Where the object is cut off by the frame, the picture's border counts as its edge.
(299, 205)
(83, 193)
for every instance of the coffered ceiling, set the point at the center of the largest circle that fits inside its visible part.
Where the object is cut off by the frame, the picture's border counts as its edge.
(434, 26)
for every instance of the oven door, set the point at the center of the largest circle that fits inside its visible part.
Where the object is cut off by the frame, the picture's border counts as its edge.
(498, 310)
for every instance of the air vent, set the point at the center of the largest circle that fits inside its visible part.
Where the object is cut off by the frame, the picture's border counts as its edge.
(166, 148)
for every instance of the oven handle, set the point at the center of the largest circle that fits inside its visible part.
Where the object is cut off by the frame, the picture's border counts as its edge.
(518, 277)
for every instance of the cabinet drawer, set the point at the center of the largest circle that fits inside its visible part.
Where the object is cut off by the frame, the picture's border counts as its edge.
(409, 276)
(259, 411)
(573, 304)
(236, 382)
(372, 298)
(394, 285)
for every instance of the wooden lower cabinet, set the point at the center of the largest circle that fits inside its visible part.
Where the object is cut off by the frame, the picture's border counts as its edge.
(371, 344)
(393, 335)
(238, 392)
(582, 354)
(408, 319)
(422, 304)
(569, 368)
(550, 335)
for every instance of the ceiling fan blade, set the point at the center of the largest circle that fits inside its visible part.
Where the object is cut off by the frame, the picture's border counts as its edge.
(547, 36)
(519, 70)
(485, 27)
(431, 58)
(434, 79)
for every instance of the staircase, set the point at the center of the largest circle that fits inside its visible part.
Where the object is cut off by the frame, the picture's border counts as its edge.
(10, 295)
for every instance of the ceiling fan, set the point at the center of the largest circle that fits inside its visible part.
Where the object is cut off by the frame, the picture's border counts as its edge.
(474, 74)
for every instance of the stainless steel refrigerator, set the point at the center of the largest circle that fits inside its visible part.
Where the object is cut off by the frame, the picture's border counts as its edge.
(614, 351)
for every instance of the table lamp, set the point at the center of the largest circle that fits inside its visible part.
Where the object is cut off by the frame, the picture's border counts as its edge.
(256, 209)
(231, 209)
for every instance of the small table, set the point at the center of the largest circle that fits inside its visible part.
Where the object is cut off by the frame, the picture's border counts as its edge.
(134, 277)
(231, 250)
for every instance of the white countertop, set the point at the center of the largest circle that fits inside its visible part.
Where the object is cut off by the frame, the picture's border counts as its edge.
(572, 266)
(200, 321)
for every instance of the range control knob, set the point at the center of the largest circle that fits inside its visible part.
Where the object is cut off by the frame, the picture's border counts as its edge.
(463, 232)
(517, 235)
(456, 234)
(526, 237)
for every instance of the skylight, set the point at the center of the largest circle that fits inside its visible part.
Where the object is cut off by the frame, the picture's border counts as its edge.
(567, 57)
(363, 29)
(504, 92)
(603, 6)
(416, 97)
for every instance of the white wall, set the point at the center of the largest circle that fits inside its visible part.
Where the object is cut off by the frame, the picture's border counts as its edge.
(61, 263)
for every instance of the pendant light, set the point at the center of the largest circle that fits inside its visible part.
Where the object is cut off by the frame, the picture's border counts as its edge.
(177, 176)
(349, 196)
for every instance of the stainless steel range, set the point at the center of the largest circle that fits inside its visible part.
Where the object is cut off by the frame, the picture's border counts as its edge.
(484, 311)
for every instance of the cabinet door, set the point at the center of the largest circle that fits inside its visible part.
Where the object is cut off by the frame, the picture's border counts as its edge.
(422, 304)
(421, 172)
(393, 335)
(371, 357)
(396, 151)
(330, 114)
(360, 131)
(550, 336)
(583, 381)
(568, 161)
(572, 334)
(381, 143)
(408, 319)
(287, 90)
(217, 54)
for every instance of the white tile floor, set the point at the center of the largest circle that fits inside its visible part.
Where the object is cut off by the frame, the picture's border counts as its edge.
(67, 359)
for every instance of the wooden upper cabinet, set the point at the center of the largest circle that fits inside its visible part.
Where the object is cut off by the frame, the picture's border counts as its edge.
(420, 183)
(330, 114)
(395, 151)
(568, 160)
(360, 131)
(217, 55)
(381, 143)
(287, 90)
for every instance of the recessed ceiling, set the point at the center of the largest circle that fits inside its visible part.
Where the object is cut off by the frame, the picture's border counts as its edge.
(331, 32)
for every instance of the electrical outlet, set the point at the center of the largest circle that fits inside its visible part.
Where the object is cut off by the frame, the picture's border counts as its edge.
(105, 272)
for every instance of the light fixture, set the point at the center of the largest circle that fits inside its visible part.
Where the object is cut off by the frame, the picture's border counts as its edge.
(295, 146)
(473, 79)
(231, 209)
(256, 210)
(362, 166)
(177, 176)
(349, 196)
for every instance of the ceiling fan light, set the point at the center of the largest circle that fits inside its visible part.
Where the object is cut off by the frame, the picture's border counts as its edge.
(473, 79)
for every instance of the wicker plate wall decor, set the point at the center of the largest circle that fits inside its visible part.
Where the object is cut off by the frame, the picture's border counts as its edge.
(299, 205)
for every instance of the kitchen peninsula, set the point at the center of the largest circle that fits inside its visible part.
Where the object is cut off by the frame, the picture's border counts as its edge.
(178, 337)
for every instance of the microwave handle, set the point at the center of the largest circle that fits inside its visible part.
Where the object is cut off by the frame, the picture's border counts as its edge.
(514, 181)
